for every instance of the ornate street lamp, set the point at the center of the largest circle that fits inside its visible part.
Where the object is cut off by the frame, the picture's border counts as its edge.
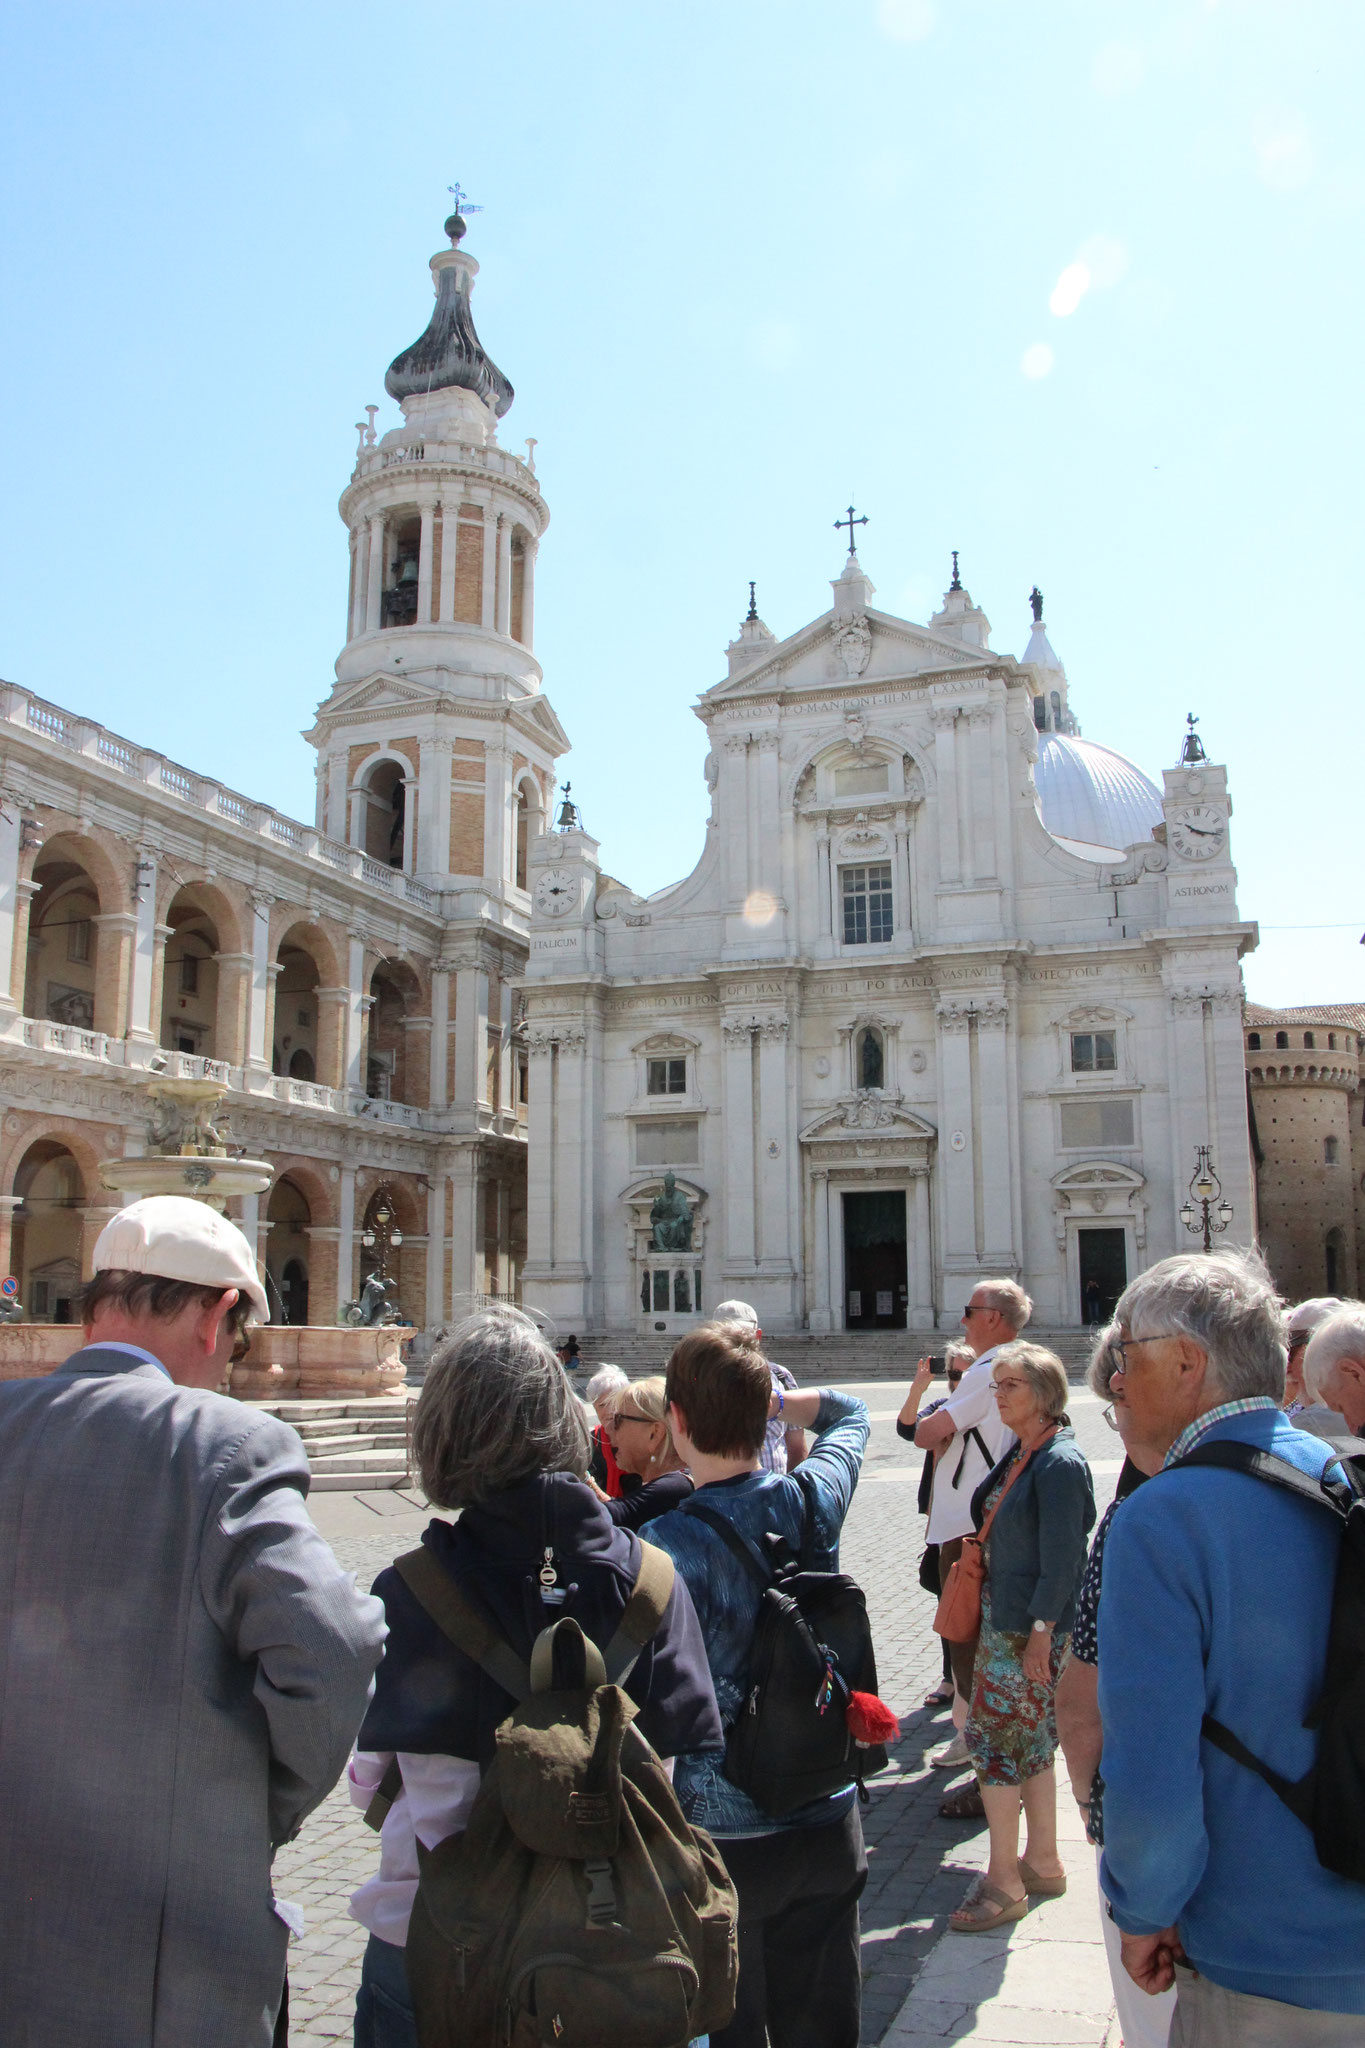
(1204, 1211)
(381, 1235)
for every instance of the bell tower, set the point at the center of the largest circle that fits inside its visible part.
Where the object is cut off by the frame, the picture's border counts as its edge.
(436, 748)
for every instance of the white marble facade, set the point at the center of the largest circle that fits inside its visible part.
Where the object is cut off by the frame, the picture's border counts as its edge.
(892, 1033)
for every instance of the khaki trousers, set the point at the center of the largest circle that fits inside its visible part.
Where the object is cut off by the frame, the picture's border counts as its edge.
(962, 1656)
(1207, 2015)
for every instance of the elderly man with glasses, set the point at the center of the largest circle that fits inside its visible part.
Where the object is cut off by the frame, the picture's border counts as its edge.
(968, 1439)
(1217, 1603)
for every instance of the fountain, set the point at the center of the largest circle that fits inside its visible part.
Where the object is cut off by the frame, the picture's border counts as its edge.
(191, 1153)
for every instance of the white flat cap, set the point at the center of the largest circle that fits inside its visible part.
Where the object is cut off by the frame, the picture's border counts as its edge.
(179, 1239)
(735, 1312)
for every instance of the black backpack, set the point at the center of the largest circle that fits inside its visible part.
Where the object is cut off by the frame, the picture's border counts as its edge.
(1330, 1798)
(790, 1743)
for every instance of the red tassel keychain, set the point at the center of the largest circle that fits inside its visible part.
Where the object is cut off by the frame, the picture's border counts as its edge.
(870, 1720)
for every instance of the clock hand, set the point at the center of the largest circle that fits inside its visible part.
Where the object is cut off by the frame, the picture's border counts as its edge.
(1206, 831)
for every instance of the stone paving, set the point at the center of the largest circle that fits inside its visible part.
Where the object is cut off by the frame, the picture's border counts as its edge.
(919, 1866)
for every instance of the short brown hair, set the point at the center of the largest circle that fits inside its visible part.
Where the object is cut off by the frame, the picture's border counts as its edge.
(723, 1384)
(152, 1294)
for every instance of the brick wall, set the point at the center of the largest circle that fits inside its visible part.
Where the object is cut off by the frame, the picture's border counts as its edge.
(469, 566)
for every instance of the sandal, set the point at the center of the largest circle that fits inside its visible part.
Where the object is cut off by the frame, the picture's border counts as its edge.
(964, 1804)
(987, 1907)
(941, 1696)
(1041, 1887)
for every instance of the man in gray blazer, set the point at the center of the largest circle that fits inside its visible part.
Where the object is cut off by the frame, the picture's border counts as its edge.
(183, 1664)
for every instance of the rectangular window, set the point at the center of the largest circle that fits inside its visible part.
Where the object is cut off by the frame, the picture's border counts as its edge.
(867, 904)
(189, 974)
(1329, 1151)
(78, 939)
(671, 1141)
(667, 1077)
(1093, 1052)
(1090, 1125)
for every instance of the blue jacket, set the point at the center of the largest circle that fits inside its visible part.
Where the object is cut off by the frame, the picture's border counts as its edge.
(1217, 1598)
(727, 1599)
(1036, 1547)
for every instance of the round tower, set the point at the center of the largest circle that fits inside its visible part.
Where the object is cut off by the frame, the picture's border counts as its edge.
(444, 524)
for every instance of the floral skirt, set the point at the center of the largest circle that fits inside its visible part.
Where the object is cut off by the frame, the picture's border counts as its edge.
(1011, 1731)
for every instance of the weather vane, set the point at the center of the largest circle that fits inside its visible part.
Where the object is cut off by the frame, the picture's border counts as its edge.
(463, 204)
(850, 522)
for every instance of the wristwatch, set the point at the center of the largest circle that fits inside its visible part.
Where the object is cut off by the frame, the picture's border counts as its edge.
(1042, 1628)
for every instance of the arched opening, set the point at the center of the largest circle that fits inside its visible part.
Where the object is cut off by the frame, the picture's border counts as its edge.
(301, 1065)
(383, 814)
(189, 983)
(403, 536)
(46, 1246)
(1334, 1261)
(288, 1250)
(390, 1070)
(63, 943)
(1310, 1043)
(530, 823)
(1281, 1041)
(871, 1065)
(296, 1012)
(1253, 1041)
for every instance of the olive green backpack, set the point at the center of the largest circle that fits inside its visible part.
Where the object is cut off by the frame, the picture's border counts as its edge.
(579, 1907)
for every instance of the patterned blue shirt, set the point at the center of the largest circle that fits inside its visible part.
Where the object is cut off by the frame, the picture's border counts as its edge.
(1194, 1432)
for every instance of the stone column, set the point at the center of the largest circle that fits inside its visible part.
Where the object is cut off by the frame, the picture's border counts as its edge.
(769, 822)
(955, 1137)
(436, 1251)
(374, 582)
(438, 1089)
(901, 900)
(450, 532)
(13, 906)
(504, 614)
(944, 719)
(489, 596)
(346, 1239)
(24, 892)
(143, 961)
(573, 1218)
(774, 1237)
(471, 1033)
(359, 591)
(528, 595)
(998, 1162)
(428, 512)
(433, 808)
(740, 1234)
(8, 1205)
(466, 1228)
(417, 1044)
(819, 1311)
(921, 1275)
(507, 1091)
(824, 883)
(357, 1008)
(982, 822)
(258, 1053)
(233, 1013)
(116, 935)
(331, 1059)
(497, 829)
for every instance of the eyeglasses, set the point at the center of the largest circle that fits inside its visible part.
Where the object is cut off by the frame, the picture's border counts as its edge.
(954, 1375)
(619, 1417)
(1001, 1385)
(1123, 1345)
(1110, 1414)
(977, 1308)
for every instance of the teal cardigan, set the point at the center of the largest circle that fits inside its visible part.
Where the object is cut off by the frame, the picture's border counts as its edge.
(1037, 1542)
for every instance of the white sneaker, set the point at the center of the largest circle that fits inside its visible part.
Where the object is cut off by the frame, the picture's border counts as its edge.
(951, 1755)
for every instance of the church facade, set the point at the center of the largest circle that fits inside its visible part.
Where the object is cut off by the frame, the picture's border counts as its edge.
(951, 992)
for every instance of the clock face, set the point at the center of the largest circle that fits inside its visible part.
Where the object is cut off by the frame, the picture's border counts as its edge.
(556, 893)
(1199, 833)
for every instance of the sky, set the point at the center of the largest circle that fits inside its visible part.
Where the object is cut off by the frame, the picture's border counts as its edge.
(1074, 288)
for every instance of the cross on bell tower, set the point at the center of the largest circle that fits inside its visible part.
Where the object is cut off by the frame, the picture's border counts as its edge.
(850, 522)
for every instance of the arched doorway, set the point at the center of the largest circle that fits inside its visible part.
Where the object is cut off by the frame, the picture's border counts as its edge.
(63, 944)
(46, 1244)
(296, 1013)
(189, 984)
(288, 1250)
(389, 1066)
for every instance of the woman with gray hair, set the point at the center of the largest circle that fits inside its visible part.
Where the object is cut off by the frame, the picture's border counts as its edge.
(1034, 1512)
(499, 1436)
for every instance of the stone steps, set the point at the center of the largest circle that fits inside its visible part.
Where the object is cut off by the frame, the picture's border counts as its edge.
(353, 1446)
(814, 1356)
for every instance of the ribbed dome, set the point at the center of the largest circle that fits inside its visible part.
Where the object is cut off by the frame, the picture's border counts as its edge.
(449, 355)
(1090, 794)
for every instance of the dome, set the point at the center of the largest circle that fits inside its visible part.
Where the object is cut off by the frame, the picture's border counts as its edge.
(1091, 797)
(449, 355)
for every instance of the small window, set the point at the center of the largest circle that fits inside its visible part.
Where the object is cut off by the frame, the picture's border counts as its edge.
(78, 939)
(1093, 1052)
(189, 974)
(867, 904)
(1329, 1151)
(1281, 1041)
(1309, 1041)
(1253, 1041)
(666, 1077)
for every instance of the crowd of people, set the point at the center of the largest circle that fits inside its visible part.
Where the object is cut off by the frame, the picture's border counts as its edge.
(603, 1604)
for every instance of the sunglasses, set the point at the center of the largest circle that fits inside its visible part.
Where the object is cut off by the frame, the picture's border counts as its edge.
(619, 1417)
(977, 1308)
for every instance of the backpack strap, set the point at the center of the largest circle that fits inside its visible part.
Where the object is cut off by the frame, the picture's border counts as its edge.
(807, 1550)
(437, 1593)
(969, 1437)
(730, 1536)
(1322, 1492)
(645, 1609)
(1295, 1794)
(543, 1656)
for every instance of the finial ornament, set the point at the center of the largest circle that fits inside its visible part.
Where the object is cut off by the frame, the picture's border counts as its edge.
(455, 227)
(1193, 749)
(956, 583)
(1035, 598)
(850, 522)
(752, 612)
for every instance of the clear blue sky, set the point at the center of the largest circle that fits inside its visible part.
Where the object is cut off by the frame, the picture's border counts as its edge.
(742, 262)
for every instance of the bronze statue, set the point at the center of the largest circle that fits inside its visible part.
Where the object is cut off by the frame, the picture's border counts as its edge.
(670, 1219)
(374, 1310)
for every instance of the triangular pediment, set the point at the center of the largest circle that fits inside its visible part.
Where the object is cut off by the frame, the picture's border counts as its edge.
(839, 651)
(868, 1114)
(380, 692)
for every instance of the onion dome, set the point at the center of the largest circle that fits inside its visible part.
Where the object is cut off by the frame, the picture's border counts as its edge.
(450, 356)
(1095, 800)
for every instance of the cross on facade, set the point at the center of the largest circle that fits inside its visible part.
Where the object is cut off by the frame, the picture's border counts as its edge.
(850, 522)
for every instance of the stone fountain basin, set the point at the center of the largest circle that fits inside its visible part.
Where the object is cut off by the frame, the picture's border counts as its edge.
(210, 1179)
(308, 1363)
